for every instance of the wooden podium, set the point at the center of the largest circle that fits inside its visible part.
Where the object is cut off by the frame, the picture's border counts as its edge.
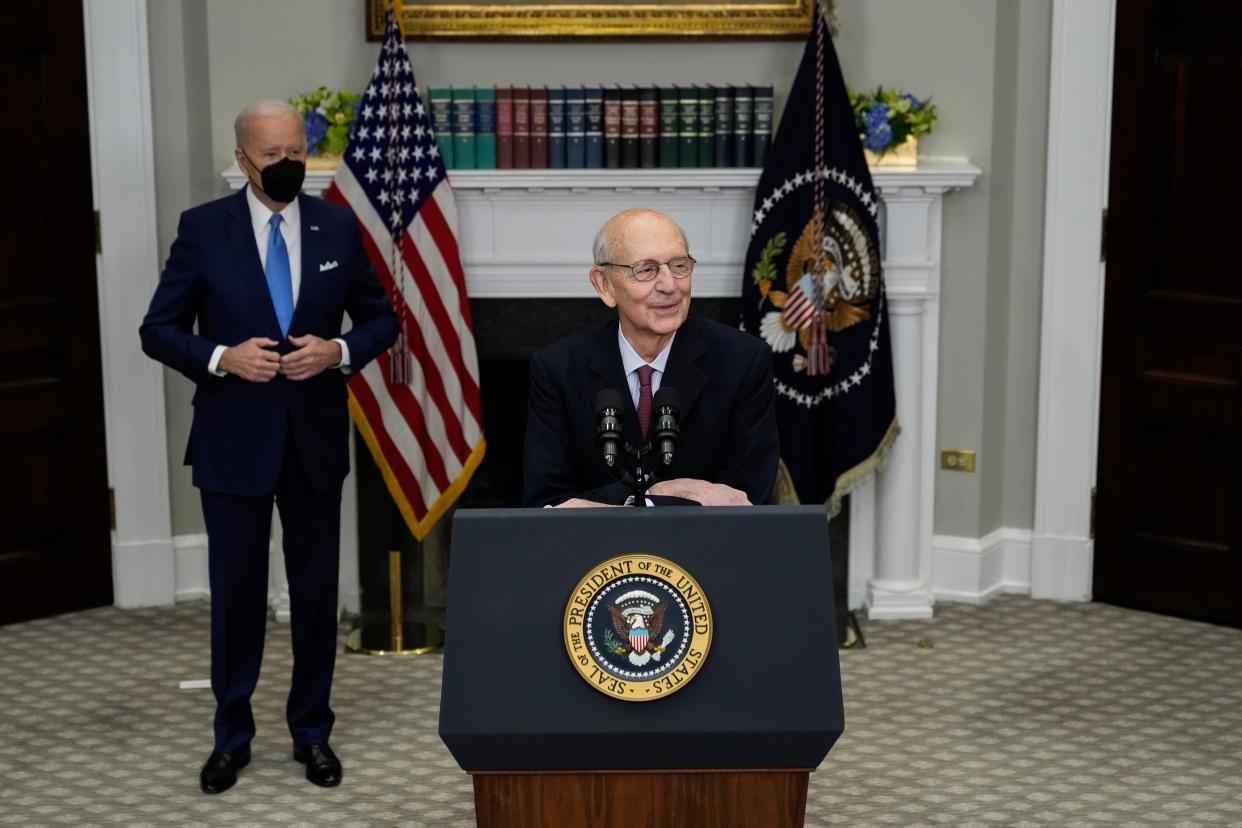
(734, 746)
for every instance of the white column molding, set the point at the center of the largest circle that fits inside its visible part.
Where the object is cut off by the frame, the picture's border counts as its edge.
(1073, 291)
(526, 233)
(123, 181)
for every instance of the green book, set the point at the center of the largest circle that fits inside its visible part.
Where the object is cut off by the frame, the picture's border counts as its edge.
(707, 126)
(442, 122)
(465, 116)
(668, 126)
(485, 129)
(687, 126)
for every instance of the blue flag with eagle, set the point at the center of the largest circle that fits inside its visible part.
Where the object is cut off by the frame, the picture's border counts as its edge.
(813, 290)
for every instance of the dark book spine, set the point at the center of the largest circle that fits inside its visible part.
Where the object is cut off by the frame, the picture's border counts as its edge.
(442, 123)
(669, 108)
(575, 129)
(707, 126)
(485, 130)
(521, 128)
(539, 128)
(504, 128)
(594, 99)
(687, 127)
(467, 116)
(743, 126)
(724, 126)
(648, 125)
(762, 135)
(612, 127)
(556, 128)
(629, 128)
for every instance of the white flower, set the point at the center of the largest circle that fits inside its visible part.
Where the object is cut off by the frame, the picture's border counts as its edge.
(779, 338)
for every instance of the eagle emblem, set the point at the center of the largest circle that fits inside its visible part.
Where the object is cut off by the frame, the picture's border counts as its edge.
(638, 618)
(637, 627)
(831, 279)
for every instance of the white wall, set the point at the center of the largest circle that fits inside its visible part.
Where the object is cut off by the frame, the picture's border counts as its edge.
(984, 62)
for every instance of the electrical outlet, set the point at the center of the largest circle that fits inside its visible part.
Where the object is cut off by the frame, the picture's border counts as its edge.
(958, 460)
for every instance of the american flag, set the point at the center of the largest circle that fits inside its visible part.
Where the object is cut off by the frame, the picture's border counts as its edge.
(417, 406)
(800, 307)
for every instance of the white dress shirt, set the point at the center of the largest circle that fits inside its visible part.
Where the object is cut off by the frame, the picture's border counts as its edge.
(631, 362)
(291, 232)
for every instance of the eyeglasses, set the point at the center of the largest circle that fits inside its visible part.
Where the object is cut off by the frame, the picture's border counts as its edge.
(646, 270)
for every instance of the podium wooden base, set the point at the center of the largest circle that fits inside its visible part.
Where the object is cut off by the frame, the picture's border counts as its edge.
(625, 799)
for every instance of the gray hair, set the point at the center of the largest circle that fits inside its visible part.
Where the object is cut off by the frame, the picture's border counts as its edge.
(601, 249)
(262, 109)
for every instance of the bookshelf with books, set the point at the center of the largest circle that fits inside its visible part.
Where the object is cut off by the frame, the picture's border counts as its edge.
(627, 127)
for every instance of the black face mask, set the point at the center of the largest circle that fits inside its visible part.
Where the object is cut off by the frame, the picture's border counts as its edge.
(282, 181)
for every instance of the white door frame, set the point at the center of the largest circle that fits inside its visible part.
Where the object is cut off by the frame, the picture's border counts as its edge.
(123, 182)
(1079, 119)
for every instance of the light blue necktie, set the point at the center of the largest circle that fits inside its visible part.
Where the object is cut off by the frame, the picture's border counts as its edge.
(279, 282)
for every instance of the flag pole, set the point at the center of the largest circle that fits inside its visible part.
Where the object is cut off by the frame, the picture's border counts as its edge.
(396, 636)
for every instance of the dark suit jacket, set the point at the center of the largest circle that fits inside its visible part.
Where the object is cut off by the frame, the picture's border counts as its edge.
(728, 423)
(214, 277)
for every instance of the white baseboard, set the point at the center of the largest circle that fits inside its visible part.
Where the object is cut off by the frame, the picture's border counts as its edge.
(142, 572)
(1061, 567)
(191, 557)
(193, 581)
(975, 570)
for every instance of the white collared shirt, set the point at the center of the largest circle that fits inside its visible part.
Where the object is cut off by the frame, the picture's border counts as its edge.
(291, 232)
(631, 362)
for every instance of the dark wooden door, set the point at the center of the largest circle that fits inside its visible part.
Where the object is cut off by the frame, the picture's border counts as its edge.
(54, 543)
(1169, 502)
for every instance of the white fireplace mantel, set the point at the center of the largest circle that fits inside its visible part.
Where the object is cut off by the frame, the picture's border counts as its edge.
(528, 234)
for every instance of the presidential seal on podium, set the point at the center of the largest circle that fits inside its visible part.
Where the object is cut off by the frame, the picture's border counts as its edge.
(638, 627)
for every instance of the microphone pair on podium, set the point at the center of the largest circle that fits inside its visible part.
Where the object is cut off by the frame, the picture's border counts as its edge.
(665, 437)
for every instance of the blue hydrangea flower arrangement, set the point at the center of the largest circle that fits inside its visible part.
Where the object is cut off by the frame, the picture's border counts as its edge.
(328, 115)
(886, 118)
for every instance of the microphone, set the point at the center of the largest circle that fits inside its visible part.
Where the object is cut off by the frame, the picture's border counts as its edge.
(608, 425)
(666, 435)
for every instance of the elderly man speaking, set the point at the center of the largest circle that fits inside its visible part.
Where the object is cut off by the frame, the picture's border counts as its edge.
(729, 447)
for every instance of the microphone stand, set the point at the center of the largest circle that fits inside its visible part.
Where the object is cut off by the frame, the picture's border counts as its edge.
(642, 480)
(608, 436)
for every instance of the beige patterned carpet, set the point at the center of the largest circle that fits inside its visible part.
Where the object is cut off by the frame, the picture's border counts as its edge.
(1020, 712)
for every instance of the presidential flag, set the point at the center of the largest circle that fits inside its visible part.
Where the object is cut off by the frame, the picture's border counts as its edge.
(417, 406)
(813, 290)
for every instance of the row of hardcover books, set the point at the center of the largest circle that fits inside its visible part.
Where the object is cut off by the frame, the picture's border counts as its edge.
(517, 127)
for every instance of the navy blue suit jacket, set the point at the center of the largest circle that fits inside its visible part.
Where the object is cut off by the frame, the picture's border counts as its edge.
(728, 422)
(214, 277)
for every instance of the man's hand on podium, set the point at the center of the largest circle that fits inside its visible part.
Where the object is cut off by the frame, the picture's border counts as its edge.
(579, 503)
(709, 494)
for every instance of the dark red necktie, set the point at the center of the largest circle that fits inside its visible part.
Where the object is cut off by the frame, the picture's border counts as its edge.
(644, 398)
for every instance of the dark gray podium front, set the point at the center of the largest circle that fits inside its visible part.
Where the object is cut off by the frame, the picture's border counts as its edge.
(732, 746)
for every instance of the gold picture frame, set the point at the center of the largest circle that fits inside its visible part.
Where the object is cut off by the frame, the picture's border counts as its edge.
(607, 19)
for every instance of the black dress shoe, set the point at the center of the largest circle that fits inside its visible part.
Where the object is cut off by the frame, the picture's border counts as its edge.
(322, 766)
(220, 772)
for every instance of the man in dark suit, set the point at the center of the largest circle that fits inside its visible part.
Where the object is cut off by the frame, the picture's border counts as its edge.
(268, 274)
(729, 447)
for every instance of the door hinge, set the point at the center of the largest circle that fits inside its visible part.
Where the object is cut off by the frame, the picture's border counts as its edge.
(1104, 235)
(98, 235)
(1091, 525)
(111, 503)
